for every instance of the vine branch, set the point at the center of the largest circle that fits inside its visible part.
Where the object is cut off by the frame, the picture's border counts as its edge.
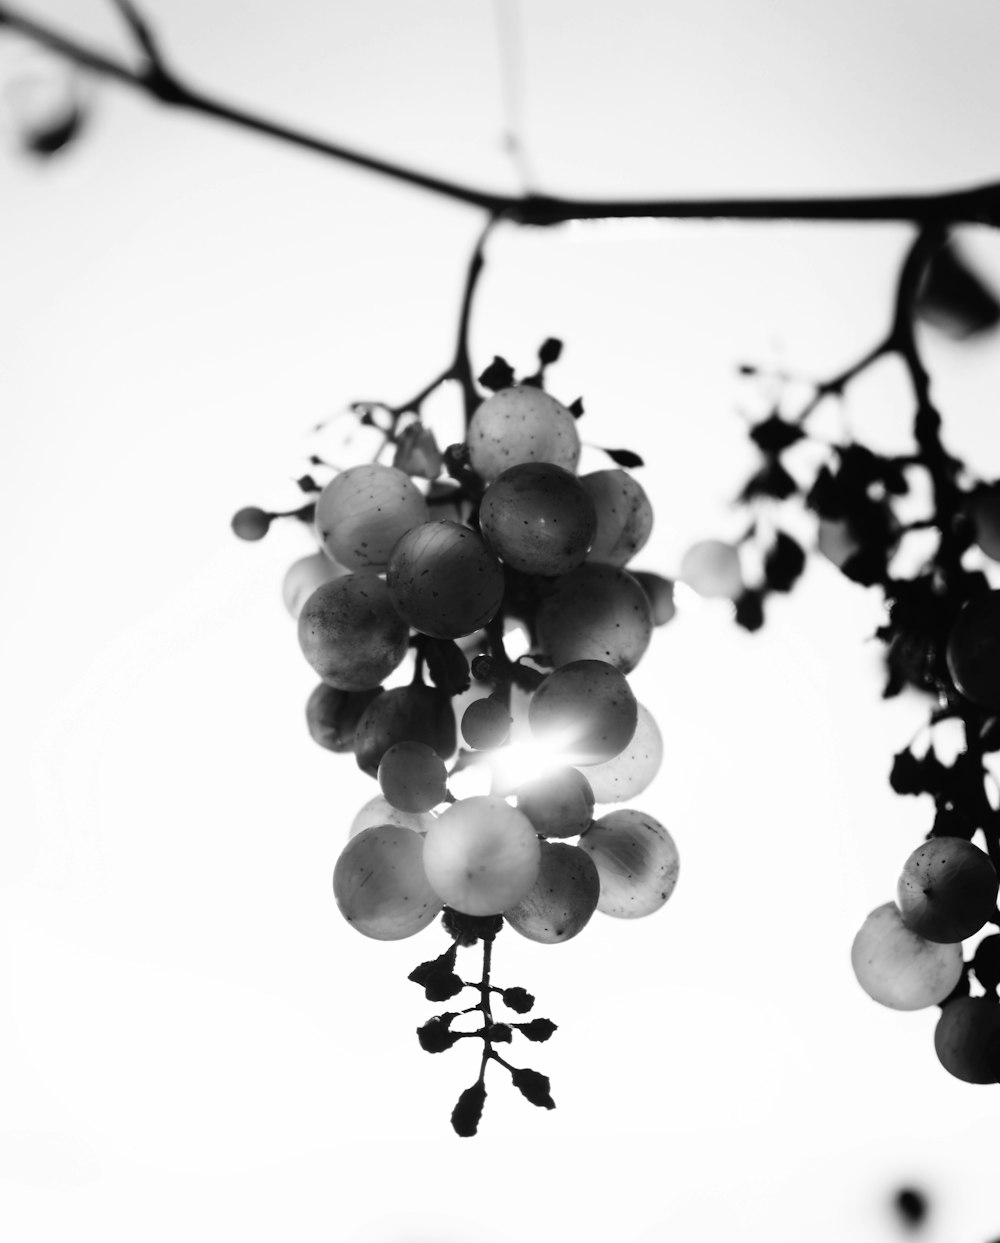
(971, 205)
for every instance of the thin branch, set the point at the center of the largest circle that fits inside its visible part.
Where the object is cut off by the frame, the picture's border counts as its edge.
(973, 205)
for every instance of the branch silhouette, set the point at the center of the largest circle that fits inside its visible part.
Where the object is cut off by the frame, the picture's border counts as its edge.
(968, 205)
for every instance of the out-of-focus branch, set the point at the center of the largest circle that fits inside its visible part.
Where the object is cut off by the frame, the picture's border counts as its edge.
(977, 204)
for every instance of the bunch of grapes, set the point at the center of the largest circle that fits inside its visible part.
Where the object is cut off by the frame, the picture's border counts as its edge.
(397, 593)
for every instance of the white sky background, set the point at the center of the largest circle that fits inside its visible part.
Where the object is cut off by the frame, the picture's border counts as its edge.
(192, 1042)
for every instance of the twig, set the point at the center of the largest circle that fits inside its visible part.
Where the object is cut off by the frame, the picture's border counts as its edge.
(972, 205)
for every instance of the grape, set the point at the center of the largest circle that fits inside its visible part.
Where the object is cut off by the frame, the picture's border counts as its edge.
(521, 424)
(538, 519)
(558, 804)
(900, 969)
(624, 515)
(660, 593)
(332, 715)
(630, 771)
(597, 612)
(412, 776)
(986, 962)
(304, 576)
(481, 855)
(636, 860)
(351, 634)
(967, 1039)
(251, 523)
(984, 510)
(486, 724)
(712, 568)
(379, 810)
(563, 898)
(587, 709)
(380, 886)
(973, 651)
(364, 510)
(444, 580)
(947, 890)
(404, 714)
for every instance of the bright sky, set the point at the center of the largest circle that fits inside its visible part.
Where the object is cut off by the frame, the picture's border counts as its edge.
(192, 1042)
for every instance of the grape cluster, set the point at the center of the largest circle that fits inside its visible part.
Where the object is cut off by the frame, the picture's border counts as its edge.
(397, 593)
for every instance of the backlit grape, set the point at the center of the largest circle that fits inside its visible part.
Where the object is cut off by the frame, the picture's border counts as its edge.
(630, 771)
(379, 810)
(967, 1039)
(251, 523)
(597, 612)
(485, 724)
(973, 651)
(660, 593)
(364, 510)
(636, 860)
(351, 634)
(412, 776)
(332, 715)
(404, 714)
(559, 803)
(481, 855)
(444, 580)
(947, 890)
(712, 568)
(586, 709)
(380, 886)
(538, 519)
(563, 897)
(899, 968)
(624, 515)
(521, 424)
(304, 576)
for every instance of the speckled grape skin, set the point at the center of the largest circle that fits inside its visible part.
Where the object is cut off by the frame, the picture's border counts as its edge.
(521, 424)
(660, 593)
(538, 519)
(587, 708)
(563, 899)
(637, 862)
(632, 770)
(973, 651)
(624, 515)
(947, 889)
(559, 803)
(363, 511)
(597, 612)
(444, 580)
(304, 576)
(351, 634)
(379, 883)
(404, 713)
(963, 1036)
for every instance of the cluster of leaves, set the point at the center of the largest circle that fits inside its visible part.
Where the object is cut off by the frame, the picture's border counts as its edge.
(440, 982)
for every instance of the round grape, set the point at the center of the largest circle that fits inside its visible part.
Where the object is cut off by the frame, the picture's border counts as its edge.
(380, 886)
(538, 519)
(351, 634)
(637, 862)
(586, 709)
(364, 510)
(900, 969)
(630, 771)
(947, 889)
(379, 810)
(412, 776)
(712, 568)
(597, 612)
(563, 898)
(304, 576)
(624, 515)
(558, 804)
(486, 724)
(444, 580)
(967, 1039)
(521, 424)
(481, 855)
(973, 651)
(332, 715)
(404, 714)
(251, 523)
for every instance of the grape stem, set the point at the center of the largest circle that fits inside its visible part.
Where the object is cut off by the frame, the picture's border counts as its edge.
(484, 1005)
